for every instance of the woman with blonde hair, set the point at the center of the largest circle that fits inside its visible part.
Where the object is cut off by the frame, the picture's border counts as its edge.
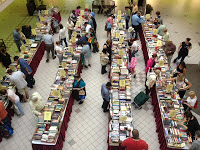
(190, 101)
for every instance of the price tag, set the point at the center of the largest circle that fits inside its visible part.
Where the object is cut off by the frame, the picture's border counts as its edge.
(119, 17)
(119, 12)
(33, 31)
(159, 43)
(74, 33)
(87, 6)
(70, 49)
(46, 12)
(78, 24)
(121, 40)
(148, 16)
(119, 61)
(82, 13)
(155, 31)
(73, 39)
(121, 52)
(120, 25)
(62, 73)
(38, 25)
(28, 41)
(117, 34)
(47, 115)
(122, 83)
(64, 64)
(161, 63)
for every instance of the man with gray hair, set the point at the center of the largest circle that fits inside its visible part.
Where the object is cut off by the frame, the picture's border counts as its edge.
(49, 44)
(17, 38)
(36, 103)
(136, 20)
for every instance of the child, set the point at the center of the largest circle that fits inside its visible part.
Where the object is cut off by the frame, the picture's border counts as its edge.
(190, 101)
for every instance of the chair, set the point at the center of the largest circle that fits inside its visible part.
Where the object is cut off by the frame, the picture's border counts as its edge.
(195, 106)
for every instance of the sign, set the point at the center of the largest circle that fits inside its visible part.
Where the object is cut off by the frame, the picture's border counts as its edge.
(87, 6)
(159, 43)
(122, 118)
(172, 113)
(46, 12)
(38, 25)
(117, 34)
(120, 25)
(161, 63)
(119, 17)
(55, 93)
(70, 49)
(28, 41)
(74, 33)
(121, 52)
(42, 19)
(47, 115)
(119, 12)
(64, 64)
(82, 13)
(121, 40)
(119, 61)
(78, 24)
(62, 73)
(169, 87)
(148, 16)
(122, 83)
(33, 31)
(23, 48)
(155, 31)
(80, 19)
(73, 39)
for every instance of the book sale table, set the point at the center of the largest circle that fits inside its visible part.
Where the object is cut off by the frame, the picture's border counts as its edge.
(168, 109)
(52, 124)
(120, 117)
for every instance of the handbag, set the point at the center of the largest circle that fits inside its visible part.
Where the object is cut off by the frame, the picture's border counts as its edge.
(10, 131)
(97, 44)
(81, 92)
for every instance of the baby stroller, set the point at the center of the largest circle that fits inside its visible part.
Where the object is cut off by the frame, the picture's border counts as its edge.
(132, 66)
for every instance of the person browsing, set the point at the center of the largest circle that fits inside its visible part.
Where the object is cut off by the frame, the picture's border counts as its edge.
(105, 95)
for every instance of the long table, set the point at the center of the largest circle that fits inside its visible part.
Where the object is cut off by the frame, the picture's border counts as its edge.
(155, 102)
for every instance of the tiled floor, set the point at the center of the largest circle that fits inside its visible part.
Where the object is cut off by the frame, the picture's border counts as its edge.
(88, 125)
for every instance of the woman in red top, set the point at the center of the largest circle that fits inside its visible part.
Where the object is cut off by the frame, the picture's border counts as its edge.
(134, 143)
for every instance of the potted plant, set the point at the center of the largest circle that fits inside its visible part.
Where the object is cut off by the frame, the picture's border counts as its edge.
(149, 9)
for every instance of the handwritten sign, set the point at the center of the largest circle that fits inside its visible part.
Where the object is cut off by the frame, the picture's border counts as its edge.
(62, 73)
(119, 17)
(80, 19)
(28, 41)
(55, 93)
(119, 12)
(159, 43)
(122, 83)
(122, 118)
(82, 13)
(161, 63)
(119, 61)
(33, 31)
(46, 12)
(148, 16)
(47, 115)
(169, 87)
(121, 40)
(120, 25)
(23, 48)
(78, 24)
(172, 113)
(117, 34)
(70, 49)
(42, 19)
(73, 39)
(87, 6)
(38, 25)
(74, 33)
(121, 52)
(64, 64)
(155, 31)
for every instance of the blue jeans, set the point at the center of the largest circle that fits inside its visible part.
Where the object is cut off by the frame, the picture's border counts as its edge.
(7, 122)
(64, 41)
(20, 107)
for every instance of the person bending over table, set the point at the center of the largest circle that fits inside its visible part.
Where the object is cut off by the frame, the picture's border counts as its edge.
(105, 95)
(181, 83)
(151, 62)
(79, 91)
(104, 59)
(135, 143)
(181, 68)
(196, 143)
(36, 103)
(190, 101)
(191, 123)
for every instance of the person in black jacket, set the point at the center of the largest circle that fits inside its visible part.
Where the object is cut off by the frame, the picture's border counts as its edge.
(192, 125)
(4, 58)
(26, 30)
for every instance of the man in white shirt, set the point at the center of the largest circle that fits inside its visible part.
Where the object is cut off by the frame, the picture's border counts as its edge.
(13, 98)
(87, 29)
(134, 47)
(70, 27)
(18, 78)
(49, 44)
(62, 35)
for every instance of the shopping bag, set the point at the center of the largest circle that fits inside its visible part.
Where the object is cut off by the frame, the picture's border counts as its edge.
(10, 131)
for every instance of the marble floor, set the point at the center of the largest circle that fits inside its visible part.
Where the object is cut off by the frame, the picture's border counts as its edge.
(88, 127)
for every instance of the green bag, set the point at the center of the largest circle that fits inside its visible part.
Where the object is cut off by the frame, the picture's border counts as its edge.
(82, 60)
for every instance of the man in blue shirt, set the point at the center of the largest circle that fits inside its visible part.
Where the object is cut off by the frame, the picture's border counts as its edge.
(136, 20)
(17, 38)
(81, 39)
(26, 69)
(105, 95)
